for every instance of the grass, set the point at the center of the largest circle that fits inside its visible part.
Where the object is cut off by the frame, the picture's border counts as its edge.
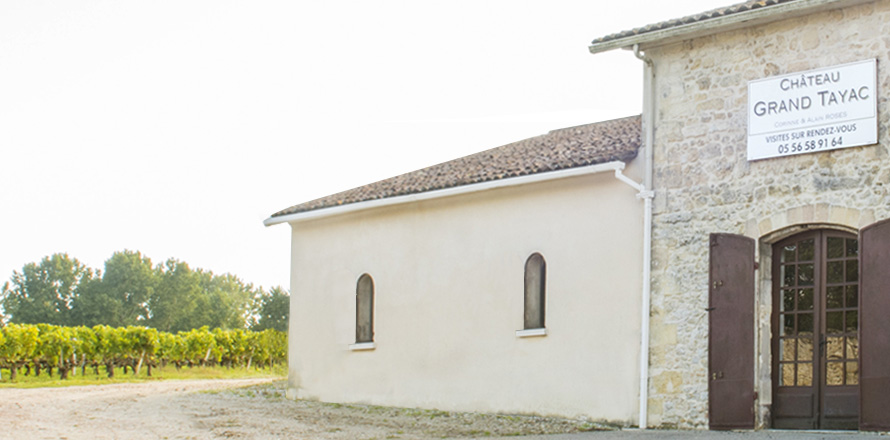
(167, 373)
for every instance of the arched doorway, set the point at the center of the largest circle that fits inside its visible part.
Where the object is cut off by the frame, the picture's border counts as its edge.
(815, 331)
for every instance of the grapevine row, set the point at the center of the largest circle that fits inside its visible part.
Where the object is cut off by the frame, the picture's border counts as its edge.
(39, 347)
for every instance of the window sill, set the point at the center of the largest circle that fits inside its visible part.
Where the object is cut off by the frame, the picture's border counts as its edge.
(362, 346)
(531, 332)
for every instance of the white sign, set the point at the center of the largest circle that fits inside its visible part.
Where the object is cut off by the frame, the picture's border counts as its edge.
(817, 110)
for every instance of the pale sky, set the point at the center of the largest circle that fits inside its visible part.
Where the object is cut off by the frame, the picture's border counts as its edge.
(176, 127)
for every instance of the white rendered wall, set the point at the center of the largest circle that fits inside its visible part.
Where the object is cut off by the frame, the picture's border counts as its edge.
(448, 277)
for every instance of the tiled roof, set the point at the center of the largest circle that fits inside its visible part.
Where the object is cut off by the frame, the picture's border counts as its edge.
(696, 18)
(616, 140)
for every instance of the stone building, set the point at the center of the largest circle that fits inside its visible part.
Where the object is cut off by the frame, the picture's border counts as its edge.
(710, 79)
(741, 284)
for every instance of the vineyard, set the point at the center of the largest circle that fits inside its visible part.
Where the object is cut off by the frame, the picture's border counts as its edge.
(42, 347)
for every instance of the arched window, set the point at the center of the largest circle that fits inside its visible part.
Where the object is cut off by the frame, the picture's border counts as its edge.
(535, 283)
(364, 309)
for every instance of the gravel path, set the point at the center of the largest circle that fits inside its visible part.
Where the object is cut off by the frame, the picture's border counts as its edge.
(246, 408)
(257, 409)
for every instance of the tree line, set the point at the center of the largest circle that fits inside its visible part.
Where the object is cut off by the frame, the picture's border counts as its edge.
(131, 291)
(44, 347)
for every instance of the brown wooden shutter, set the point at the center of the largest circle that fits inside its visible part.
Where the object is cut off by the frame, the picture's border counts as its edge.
(874, 327)
(731, 334)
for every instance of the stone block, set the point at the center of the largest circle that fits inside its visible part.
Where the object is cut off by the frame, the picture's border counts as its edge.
(711, 105)
(668, 382)
(794, 216)
(666, 335)
(751, 229)
(766, 226)
(820, 213)
(778, 221)
(837, 214)
(866, 217)
(851, 217)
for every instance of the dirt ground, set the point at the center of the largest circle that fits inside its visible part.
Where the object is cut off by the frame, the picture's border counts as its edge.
(244, 409)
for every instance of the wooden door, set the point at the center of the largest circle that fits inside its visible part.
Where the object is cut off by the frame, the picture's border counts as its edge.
(731, 332)
(815, 342)
(839, 343)
(875, 326)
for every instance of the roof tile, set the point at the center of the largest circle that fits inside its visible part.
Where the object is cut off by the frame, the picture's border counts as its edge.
(565, 148)
(695, 18)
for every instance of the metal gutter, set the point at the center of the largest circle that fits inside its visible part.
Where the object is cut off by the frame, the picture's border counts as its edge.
(725, 23)
(448, 192)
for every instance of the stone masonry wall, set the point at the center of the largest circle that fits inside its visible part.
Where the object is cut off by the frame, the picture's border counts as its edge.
(705, 184)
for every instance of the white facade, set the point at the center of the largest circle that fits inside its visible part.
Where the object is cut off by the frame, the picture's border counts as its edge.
(448, 275)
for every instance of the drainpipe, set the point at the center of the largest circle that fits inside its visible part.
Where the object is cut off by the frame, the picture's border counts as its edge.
(646, 193)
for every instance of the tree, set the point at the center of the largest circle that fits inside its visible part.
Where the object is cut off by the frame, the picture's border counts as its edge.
(94, 305)
(174, 302)
(185, 299)
(169, 297)
(236, 295)
(120, 298)
(224, 302)
(44, 293)
(272, 310)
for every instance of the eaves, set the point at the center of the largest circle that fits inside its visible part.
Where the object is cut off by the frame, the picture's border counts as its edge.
(715, 25)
